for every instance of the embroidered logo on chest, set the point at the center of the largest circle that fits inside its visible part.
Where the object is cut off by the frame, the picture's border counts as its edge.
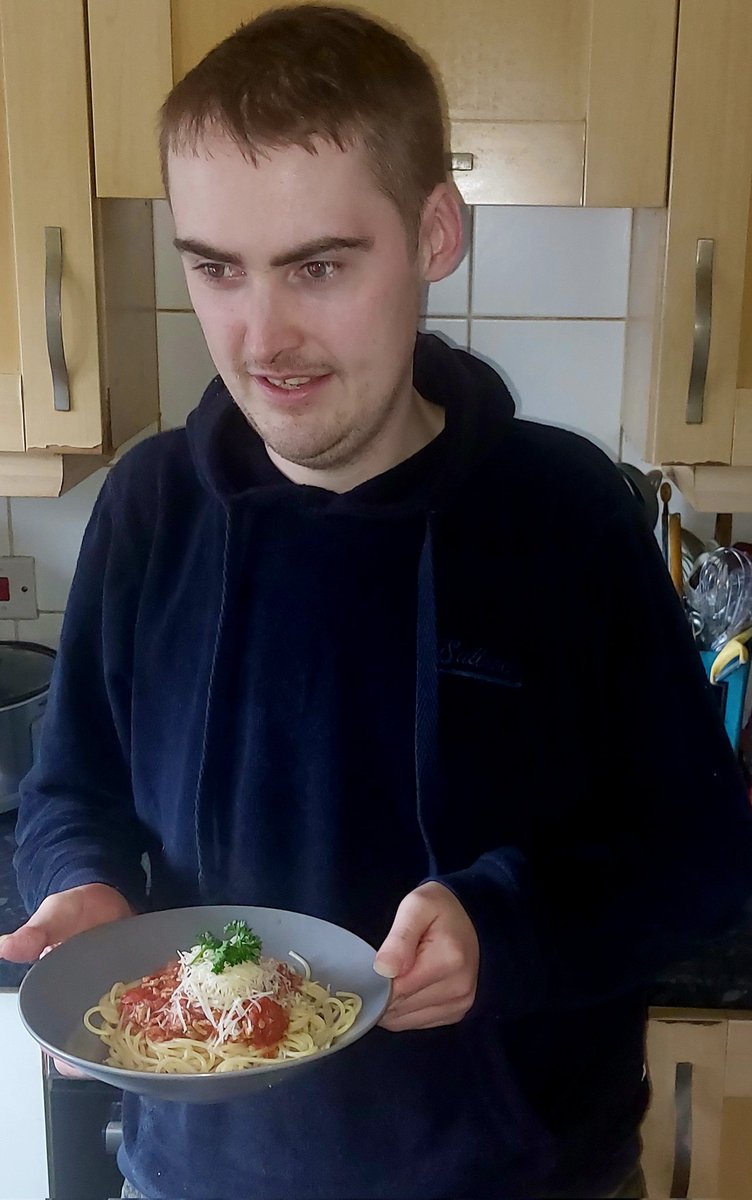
(474, 662)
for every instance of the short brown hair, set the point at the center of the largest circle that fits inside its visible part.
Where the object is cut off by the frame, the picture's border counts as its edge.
(309, 71)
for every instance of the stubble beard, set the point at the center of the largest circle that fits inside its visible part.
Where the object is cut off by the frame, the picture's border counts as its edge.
(318, 442)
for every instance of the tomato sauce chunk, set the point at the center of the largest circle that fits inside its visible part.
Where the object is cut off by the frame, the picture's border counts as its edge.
(268, 1021)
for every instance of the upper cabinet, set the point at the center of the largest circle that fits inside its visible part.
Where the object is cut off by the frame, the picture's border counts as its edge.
(77, 323)
(563, 103)
(688, 377)
(644, 104)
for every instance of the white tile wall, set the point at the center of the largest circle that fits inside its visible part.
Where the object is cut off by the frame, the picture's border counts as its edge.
(541, 294)
(451, 297)
(7, 628)
(185, 365)
(51, 531)
(171, 290)
(568, 373)
(552, 262)
(45, 630)
(454, 331)
(4, 526)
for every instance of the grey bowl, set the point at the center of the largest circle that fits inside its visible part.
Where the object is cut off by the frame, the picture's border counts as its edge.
(59, 989)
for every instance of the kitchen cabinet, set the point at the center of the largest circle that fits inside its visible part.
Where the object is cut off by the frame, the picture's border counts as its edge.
(550, 103)
(688, 370)
(78, 361)
(697, 1135)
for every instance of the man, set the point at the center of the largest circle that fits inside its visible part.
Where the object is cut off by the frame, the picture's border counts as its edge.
(358, 643)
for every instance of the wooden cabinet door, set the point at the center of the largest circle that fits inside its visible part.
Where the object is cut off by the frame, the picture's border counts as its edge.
(558, 103)
(11, 410)
(743, 423)
(682, 1129)
(48, 149)
(691, 306)
(735, 1181)
(78, 274)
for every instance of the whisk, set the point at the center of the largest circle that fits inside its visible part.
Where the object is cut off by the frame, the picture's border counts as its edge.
(721, 601)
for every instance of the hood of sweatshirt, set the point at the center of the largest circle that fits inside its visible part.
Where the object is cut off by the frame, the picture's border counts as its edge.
(233, 465)
(232, 462)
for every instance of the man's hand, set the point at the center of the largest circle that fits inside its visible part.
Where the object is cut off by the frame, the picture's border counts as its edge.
(58, 918)
(432, 954)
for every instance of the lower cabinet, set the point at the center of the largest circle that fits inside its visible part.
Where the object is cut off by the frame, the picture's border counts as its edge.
(697, 1134)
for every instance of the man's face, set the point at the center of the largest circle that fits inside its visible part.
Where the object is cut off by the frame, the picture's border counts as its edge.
(300, 268)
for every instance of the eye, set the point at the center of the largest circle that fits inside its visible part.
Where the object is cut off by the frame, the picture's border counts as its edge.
(216, 272)
(320, 272)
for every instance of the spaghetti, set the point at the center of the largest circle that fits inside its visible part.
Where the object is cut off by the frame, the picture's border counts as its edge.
(208, 1012)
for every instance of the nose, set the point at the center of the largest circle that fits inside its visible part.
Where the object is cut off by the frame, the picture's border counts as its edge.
(271, 329)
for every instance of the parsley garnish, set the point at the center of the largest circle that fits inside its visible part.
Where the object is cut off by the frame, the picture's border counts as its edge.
(240, 945)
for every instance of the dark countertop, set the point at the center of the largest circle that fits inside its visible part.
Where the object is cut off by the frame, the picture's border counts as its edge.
(720, 977)
(12, 911)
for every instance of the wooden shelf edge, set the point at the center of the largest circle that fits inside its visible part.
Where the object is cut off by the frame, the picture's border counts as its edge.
(45, 475)
(712, 487)
(701, 1015)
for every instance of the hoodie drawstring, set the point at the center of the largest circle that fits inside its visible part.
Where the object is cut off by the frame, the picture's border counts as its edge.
(427, 773)
(197, 809)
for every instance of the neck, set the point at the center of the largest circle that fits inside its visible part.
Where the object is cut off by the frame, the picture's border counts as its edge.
(419, 422)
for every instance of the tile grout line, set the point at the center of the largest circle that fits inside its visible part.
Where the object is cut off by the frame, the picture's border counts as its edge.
(508, 319)
(519, 320)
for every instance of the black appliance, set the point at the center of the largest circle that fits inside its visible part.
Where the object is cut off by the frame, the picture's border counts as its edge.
(82, 1119)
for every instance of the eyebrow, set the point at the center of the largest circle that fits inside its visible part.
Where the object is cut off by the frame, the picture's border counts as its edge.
(312, 249)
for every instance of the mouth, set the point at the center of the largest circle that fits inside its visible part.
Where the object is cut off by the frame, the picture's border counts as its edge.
(290, 389)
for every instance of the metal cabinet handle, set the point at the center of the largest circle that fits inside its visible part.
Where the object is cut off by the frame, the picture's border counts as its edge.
(53, 317)
(462, 162)
(682, 1131)
(703, 314)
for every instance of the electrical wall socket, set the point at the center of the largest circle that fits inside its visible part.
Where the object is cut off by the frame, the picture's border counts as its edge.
(18, 589)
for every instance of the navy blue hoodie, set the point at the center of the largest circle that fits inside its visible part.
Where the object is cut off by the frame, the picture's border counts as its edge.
(472, 668)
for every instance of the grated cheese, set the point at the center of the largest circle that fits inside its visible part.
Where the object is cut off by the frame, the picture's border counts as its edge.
(223, 998)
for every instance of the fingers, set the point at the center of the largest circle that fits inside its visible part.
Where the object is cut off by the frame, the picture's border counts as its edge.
(399, 950)
(61, 916)
(438, 980)
(440, 959)
(441, 1003)
(426, 1018)
(26, 944)
(437, 993)
(70, 1072)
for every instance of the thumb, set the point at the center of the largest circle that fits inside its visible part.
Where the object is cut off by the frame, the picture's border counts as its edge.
(26, 944)
(397, 953)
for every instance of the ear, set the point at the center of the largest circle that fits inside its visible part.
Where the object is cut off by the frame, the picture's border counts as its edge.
(443, 232)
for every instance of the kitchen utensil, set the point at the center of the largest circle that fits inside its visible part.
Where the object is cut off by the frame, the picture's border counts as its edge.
(25, 671)
(665, 500)
(73, 977)
(694, 552)
(675, 566)
(722, 596)
(644, 488)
